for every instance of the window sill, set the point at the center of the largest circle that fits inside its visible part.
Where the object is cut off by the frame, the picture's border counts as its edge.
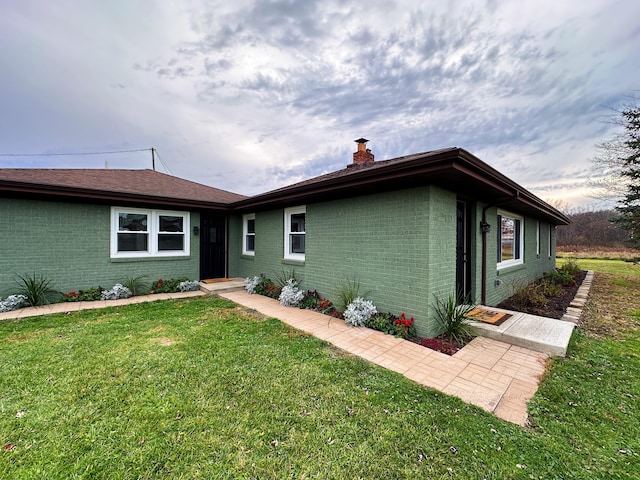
(246, 256)
(288, 261)
(149, 259)
(510, 268)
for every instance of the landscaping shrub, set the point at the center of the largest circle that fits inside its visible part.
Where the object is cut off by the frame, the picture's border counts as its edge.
(358, 312)
(290, 295)
(137, 285)
(189, 286)
(451, 317)
(439, 345)
(348, 291)
(267, 288)
(561, 277)
(250, 284)
(391, 324)
(117, 292)
(571, 267)
(12, 302)
(167, 286)
(529, 296)
(89, 295)
(36, 289)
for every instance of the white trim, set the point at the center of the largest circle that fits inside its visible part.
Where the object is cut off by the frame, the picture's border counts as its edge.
(550, 240)
(520, 234)
(153, 225)
(538, 238)
(288, 212)
(245, 233)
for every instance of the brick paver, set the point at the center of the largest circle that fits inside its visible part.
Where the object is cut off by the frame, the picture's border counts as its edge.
(493, 375)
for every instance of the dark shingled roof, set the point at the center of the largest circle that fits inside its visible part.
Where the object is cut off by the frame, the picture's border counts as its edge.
(132, 185)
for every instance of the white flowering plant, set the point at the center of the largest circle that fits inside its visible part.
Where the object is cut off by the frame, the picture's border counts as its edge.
(358, 312)
(250, 284)
(291, 295)
(189, 286)
(13, 302)
(118, 291)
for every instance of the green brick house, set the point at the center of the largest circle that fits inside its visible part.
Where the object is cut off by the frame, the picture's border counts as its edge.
(84, 228)
(408, 229)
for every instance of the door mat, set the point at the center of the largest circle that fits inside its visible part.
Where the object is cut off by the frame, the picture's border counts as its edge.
(216, 280)
(488, 316)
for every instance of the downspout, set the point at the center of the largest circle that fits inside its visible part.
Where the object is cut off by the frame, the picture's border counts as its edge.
(485, 228)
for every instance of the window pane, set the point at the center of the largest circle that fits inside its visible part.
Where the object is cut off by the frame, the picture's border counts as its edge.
(251, 226)
(132, 242)
(171, 223)
(297, 222)
(251, 243)
(297, 243)
(132, 222)
(170, 242)
(507, 236)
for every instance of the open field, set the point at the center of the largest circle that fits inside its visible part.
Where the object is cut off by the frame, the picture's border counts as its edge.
(205, 389)
(607, 253)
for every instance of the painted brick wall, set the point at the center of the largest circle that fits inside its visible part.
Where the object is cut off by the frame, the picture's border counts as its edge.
(501, 284)
(69, 244)
(399, 245)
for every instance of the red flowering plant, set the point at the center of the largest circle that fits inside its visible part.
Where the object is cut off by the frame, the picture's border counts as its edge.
(439, 345)
(404, 326)
(70, 297)
(88, 295)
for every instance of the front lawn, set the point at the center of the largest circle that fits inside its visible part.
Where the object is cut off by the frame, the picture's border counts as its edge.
(203, 389)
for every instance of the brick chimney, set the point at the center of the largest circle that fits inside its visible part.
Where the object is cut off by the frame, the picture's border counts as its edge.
(363, 155)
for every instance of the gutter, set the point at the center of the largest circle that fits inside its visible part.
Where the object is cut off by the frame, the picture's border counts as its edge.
(485, 228)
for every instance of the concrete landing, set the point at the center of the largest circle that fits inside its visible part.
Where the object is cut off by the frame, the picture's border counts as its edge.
(542, 334)
(227, 285)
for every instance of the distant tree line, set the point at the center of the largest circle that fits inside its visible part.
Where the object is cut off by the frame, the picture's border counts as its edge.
(593, 229)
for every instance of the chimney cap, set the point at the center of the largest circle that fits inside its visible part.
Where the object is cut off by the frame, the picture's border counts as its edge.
(361, 140)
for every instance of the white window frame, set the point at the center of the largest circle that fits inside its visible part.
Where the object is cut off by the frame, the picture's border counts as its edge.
(538, 238)
(551, 227)
(246, 233)
(518, 220)
(153, 225)
(288, 213)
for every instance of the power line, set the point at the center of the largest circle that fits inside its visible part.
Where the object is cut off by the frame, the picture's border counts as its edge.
(70, 154)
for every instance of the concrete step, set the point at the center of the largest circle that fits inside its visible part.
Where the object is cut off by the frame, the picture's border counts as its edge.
(223, 285)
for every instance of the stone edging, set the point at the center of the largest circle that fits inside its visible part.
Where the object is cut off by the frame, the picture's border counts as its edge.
(574, 311)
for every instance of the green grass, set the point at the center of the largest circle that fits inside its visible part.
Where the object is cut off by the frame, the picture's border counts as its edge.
(618, 267)
(203, 389)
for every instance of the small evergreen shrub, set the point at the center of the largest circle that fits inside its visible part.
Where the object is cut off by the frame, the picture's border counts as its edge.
(37, 289)
(291, 295)
(13, 302)
(117, 292)
(167, 286)
(358, 312)
(571, 267)
(189, 286)
(560, 277)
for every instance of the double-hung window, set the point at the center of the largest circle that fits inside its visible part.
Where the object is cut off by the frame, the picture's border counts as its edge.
(249, 234)
(146, 233)
(295, 233)
(510, 240)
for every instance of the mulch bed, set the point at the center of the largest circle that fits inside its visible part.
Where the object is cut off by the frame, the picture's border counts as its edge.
(555, 307)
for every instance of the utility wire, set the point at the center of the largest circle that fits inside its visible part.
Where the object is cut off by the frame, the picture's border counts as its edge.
(163, 164)
(70, 154)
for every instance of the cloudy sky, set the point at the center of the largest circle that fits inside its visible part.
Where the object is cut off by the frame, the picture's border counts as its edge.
(251, 95)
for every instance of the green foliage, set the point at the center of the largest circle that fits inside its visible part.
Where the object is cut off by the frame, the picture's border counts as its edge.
(560, 277)
(392, 324)
(88, 295)
(167, 286)
(570, 266)
(267, 288)
(37, 289)
(451, 318)
(348, 291)
(550, 288)
(284, 276)
(629, 206)
(137, 285)
(529, 296)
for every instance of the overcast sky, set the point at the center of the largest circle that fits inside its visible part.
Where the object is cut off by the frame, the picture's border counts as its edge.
(251, 95)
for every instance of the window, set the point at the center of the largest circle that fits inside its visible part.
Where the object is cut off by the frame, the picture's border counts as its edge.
(538, 238)
(510, 240)
(143, 233)
(294, 232)
(550, 240)
(249, 234)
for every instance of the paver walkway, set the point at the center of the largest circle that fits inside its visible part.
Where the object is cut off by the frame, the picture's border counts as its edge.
(495, 376)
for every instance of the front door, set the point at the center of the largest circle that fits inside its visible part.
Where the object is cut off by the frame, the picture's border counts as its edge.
(463, 264)
(213, 243)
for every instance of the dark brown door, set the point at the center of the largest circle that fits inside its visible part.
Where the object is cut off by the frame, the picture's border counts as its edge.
(213, 243)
